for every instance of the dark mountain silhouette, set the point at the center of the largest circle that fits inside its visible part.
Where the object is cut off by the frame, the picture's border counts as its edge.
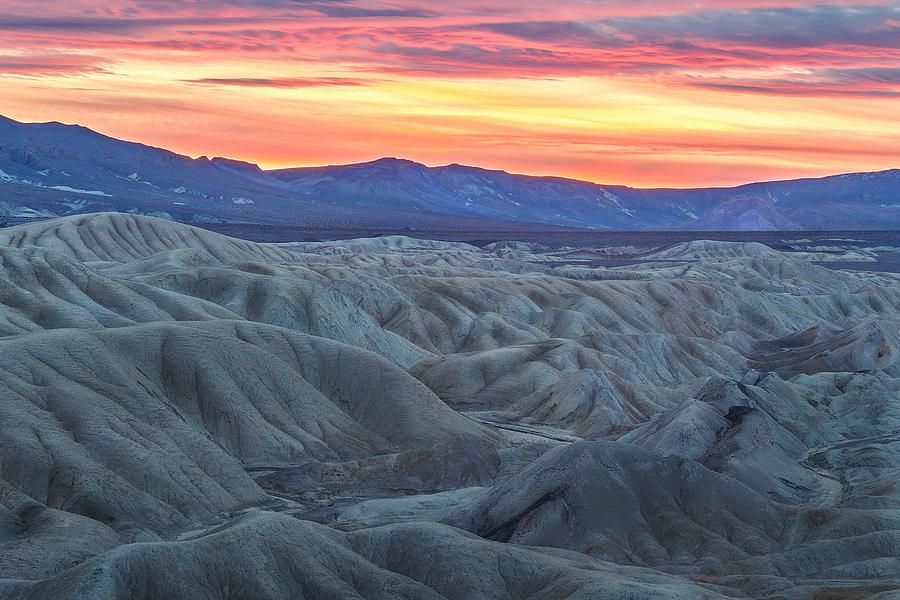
(51, 169)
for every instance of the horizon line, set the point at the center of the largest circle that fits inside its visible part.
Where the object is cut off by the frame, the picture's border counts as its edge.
(445, 165)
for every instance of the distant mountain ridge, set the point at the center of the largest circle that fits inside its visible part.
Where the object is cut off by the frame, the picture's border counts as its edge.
(51, 169)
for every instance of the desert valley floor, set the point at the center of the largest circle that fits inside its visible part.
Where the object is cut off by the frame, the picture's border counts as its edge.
(189, 415)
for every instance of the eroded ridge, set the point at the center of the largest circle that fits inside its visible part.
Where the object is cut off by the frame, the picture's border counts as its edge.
(441, 420)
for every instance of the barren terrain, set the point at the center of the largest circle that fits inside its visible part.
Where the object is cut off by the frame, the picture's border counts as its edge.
(188, 415)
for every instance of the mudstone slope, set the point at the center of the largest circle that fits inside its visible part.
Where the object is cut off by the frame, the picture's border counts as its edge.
(399, 418)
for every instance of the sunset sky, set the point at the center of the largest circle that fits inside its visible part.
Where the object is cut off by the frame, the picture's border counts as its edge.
(670, 92)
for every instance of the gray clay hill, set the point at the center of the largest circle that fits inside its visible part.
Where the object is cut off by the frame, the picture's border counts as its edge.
(185, 415)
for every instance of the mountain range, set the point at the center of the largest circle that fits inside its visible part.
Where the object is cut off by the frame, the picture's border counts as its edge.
(51, 169)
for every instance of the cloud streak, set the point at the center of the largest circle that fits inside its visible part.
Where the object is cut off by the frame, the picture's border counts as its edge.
(48, 64)
(282, 82)
(447, 73)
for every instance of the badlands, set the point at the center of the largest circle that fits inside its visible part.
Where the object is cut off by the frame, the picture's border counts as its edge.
(188, 415)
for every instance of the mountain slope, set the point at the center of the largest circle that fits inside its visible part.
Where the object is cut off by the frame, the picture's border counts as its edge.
(51, 169)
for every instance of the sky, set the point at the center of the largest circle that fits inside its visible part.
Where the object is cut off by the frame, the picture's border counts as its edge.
(663, 93)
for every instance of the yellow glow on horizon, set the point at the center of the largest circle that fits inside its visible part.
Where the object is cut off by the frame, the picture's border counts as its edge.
(592, 126)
